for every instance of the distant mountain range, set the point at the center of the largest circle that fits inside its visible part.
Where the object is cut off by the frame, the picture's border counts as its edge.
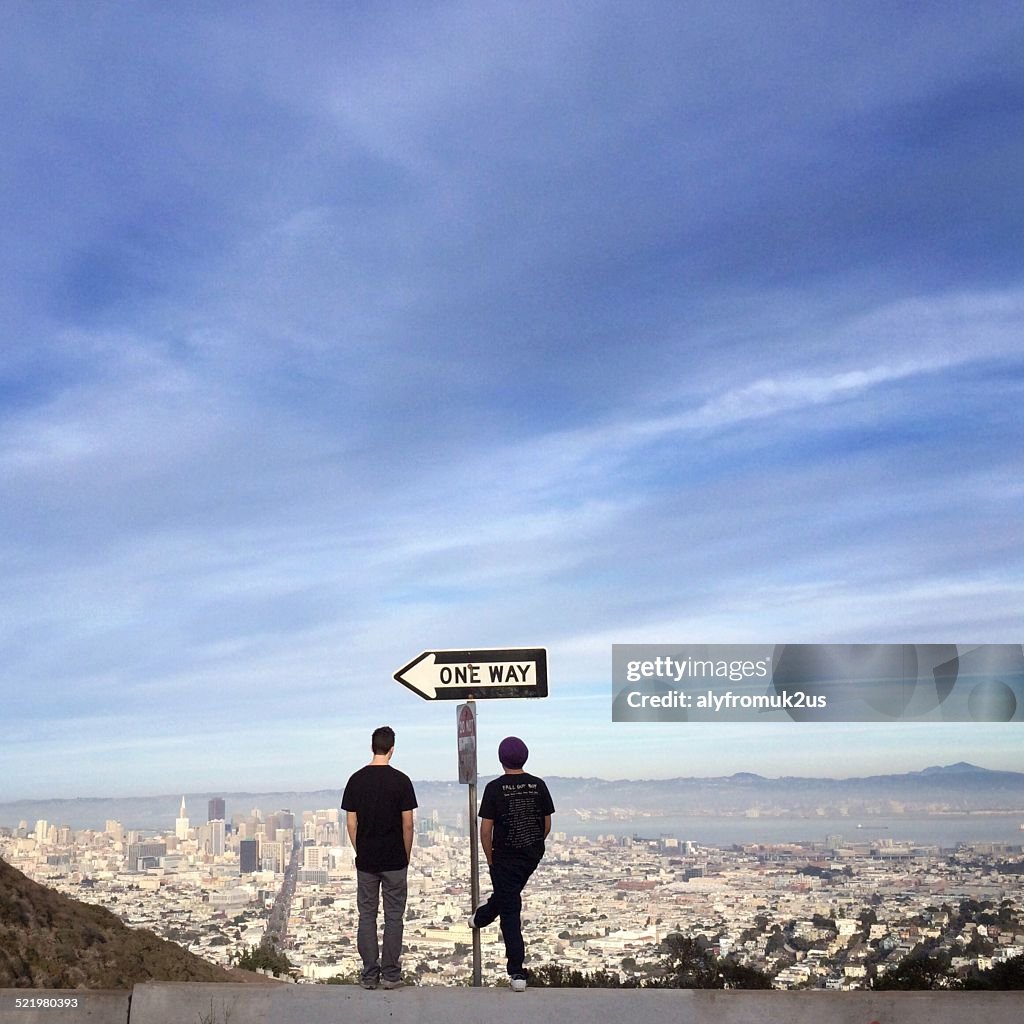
(52, 941)
(954, 788)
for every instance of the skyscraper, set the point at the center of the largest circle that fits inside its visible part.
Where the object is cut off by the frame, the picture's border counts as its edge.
(139, 852)
(273, 856)
(181, 824)
(248, 856)
(215, 809)
(216, 837)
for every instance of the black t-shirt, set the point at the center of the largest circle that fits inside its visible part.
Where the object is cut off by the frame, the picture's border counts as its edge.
(378, 794)
(517, 804)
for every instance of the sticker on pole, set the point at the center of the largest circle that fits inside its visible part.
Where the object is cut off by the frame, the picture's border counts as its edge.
(466, 738)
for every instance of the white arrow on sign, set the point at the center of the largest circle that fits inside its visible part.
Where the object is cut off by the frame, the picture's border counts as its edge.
(462, 675)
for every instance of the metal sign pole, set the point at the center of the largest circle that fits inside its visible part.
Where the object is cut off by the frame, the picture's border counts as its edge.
(465, 718)
(474, 887)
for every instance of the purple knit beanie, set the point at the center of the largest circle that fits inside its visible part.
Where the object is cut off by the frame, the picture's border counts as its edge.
(512, 752)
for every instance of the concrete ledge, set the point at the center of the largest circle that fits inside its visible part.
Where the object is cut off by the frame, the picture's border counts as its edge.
(158, 1003)
(329, 1004)
(67, 1005)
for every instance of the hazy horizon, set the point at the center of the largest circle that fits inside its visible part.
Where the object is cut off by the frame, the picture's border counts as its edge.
(453, 783)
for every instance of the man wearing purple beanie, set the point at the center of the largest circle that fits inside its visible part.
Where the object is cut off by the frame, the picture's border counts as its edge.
(515, 818)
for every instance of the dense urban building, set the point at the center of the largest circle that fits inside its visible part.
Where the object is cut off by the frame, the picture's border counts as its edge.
(833, 914)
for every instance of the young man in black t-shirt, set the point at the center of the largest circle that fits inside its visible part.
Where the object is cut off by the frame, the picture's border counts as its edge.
(379, 801)
(515, 818)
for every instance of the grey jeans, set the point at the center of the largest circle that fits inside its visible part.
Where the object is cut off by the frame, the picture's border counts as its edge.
(371, 886)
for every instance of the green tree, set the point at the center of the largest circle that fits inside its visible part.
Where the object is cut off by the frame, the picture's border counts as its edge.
(737, 975)
(352, 978)
(1007, 975)
(264, 957)
(688, 963)
(918, 973)
(979, 946)
(557, 976)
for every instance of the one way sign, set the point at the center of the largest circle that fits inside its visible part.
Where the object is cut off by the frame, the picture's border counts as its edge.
(465, 675)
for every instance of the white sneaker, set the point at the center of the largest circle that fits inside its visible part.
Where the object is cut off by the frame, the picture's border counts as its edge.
(518, 984)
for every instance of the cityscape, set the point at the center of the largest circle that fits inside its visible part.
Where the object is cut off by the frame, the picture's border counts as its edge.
(836, 913)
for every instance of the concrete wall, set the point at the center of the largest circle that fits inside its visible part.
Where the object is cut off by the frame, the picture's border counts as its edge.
(329, 1004)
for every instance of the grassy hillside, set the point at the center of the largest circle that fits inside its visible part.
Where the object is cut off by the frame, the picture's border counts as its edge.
(51, 941)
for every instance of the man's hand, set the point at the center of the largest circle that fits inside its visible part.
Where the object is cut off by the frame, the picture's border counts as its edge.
(487, 839)
(407, 833)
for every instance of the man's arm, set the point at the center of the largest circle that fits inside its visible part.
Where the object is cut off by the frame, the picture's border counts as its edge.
(487, 838)
(547, 825)
(407, 833)
(352, 824)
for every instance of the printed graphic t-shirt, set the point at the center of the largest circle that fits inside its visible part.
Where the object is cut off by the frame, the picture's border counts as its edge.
(517, 804)
(378, 794)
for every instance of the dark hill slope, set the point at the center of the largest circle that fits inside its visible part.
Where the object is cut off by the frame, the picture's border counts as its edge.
(51, 941)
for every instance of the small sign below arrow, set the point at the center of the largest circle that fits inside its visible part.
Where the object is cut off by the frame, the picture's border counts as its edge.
(480, 675)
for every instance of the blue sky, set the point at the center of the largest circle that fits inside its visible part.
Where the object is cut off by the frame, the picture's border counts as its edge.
(331, 333)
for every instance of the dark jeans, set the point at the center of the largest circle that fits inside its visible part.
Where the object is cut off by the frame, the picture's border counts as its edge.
(508, 876)
(370, 886)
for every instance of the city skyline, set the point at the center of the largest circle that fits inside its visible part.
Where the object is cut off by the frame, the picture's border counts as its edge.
(833, 912)
(969, 799)
(335, 336)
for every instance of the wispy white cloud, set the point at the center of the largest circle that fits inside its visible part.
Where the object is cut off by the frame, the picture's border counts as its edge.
(491, 324)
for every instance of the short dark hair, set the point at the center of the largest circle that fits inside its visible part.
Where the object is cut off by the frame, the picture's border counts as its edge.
(383, 739)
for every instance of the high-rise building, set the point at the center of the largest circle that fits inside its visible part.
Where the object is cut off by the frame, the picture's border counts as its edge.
(215, 809)
(181, 824)
(248, 856)
(273, 856)
(139, 852)
(216, 837)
